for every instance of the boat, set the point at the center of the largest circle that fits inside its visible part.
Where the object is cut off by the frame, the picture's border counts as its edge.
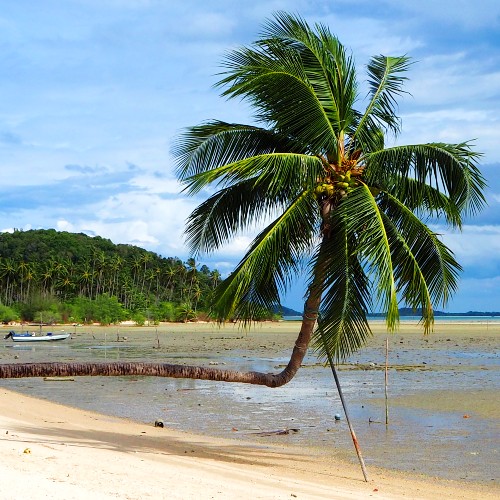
(33, 337)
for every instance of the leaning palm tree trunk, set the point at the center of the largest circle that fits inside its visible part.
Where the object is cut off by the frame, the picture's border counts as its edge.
(20, 370)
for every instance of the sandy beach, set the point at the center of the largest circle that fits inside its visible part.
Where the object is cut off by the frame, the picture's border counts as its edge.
(55, 451)
(51, 451)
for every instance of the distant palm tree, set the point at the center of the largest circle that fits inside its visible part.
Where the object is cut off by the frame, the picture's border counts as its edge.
(30, 277)
(215, 278)
(170, 273)
(8, 273)
(46, 276)
(116, 265)
(196, 294)
(136, 265)
(335, 199)
(101, 264)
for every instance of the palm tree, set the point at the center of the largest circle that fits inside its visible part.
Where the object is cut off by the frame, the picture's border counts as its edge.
(146, 258)
(85, 278)
(30, 277)
(215, 278)
(334, 193)
(170, 273)
(101, 263)
(196, 294)
(334, 200)
(115, 265)
(8, 272)
(46, 275)
(22, 271)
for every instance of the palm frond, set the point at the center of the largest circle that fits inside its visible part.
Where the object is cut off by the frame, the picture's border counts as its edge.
(272, 261)
(342, 327)
(385, 84)
(230, 210)
(279, 172)
(425, 269)
(261, 77)
(449, 168)
(364, 218)
(423, 199)
(216, 143)
(329, 68)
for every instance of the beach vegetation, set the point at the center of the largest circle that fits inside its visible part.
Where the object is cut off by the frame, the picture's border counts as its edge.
(71, 273)
(7, 314)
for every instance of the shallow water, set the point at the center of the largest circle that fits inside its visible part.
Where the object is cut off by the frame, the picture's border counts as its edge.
(440, 381)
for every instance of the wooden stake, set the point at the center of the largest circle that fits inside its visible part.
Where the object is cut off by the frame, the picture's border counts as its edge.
(344, 405)
(386, 380)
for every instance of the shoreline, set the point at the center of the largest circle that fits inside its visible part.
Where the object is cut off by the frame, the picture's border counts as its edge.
(55, 451)
(215, 411)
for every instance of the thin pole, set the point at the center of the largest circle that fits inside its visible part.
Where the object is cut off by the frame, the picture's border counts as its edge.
(353, 435)
(386, 380)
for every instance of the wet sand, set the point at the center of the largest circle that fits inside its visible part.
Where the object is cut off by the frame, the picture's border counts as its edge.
(443, 391)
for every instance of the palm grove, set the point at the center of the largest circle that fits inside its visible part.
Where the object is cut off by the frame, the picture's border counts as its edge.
(335, 202)
(52, 276)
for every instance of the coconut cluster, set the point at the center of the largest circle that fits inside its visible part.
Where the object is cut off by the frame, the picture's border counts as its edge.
(340, 181)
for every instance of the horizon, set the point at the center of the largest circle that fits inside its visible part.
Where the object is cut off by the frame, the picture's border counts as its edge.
(95, 93)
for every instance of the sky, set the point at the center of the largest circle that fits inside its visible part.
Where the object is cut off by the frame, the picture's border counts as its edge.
(93, 93)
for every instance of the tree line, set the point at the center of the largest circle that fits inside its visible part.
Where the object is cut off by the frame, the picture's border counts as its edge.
(52, 276)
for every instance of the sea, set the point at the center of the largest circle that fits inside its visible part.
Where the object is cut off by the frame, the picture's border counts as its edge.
(438, 319)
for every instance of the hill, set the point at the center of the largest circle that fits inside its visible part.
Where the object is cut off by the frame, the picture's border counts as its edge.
(65, 276)
(286, 311)
(47, 269)
(407, 311)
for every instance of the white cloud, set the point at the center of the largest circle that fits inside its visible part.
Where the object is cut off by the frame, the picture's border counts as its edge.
(64, 225)
(209, 24)
(475, 245)
(155, 184)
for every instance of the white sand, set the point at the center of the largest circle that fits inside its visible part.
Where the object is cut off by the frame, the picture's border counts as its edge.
(52, 451)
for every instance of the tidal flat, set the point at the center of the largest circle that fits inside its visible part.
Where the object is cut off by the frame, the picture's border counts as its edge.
(442, 395)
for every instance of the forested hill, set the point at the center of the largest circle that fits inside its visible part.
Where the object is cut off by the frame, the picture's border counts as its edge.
(49, 244)
(40, 268)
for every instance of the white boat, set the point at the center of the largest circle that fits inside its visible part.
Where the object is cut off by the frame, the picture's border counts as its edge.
(33, 337)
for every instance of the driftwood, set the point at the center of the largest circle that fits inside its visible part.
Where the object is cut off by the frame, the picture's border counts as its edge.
(279, 432)
(59, 379)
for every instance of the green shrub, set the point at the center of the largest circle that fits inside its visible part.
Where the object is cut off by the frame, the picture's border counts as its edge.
(8, 314)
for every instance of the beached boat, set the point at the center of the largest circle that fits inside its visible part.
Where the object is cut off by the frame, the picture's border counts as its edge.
(32, 337)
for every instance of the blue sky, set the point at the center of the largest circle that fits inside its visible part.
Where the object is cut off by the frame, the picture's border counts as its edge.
(93, 93)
